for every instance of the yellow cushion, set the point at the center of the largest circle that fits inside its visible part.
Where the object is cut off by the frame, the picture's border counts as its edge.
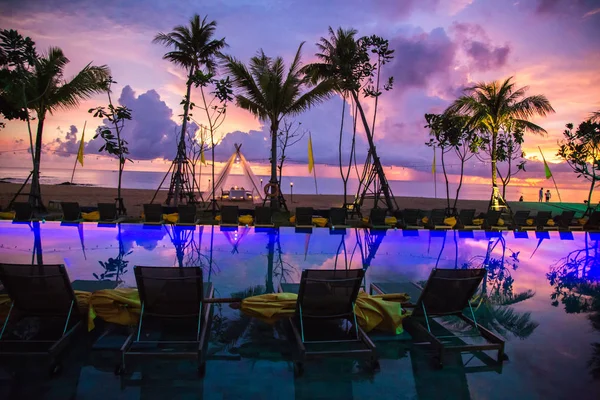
(218, 218)
(91, 216)
(319, 221)
(172, 218)
(582, 221)
(478, 221)
(392, 221)
(246, 219)
(293, 219)
(500, 222)
(425, 220)
(451, 221)
(550, 222)
(7, 215)
(529, 221)
(365, 220)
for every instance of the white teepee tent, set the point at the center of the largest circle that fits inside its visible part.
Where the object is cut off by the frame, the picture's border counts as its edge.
(220, 181)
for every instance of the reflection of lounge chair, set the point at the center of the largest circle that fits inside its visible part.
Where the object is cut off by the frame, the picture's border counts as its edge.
(172, 301)
(447, 293)
(153, 214)
(465, 220)
(492, 221)
(108, 213)
(187, 215)
(377, 218)
(229, 216)
(43, 315)
(337, 218)
(592, 224)
(436, 219)
(71, 211)
(264, 217)
(520, 219)
(565, 221)
(326, 297)
(23, 212)
(411, 218)
(304, 217)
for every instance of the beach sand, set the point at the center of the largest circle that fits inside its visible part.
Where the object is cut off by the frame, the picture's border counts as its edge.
(89, 196)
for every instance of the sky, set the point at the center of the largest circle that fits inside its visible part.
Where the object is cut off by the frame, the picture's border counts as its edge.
(440, 47)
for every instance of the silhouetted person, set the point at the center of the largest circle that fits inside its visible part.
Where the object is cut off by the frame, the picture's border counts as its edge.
(541, 195)
(548, 195)
(521, 198)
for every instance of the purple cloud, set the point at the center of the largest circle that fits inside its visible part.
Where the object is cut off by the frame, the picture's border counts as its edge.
(67, 146)
(483, 55)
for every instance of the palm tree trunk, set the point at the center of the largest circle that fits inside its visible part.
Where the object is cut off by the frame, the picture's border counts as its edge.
(344, 179)
(446, 179)
(493, 156)
(181, 144)
(273, 181)
(270, 257)
(35, 194)
(460, 181)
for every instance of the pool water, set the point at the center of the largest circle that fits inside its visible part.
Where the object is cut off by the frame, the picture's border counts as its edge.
(541, 294)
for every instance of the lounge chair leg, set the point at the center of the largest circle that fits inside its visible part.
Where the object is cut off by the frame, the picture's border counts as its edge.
(298, 369)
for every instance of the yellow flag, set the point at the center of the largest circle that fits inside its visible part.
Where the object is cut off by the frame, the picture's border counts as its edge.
(311, 159)
(202, 159)
(546, 167)
(80, 151)
(433, 164)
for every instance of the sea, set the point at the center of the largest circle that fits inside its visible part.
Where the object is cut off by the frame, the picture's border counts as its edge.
(301, 184)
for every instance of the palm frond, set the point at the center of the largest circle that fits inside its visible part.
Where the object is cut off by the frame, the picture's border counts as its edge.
(519, 324)
(89, 81)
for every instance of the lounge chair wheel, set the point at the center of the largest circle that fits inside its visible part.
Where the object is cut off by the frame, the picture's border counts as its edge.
(119, 370)
(298, 369)
(202, 370)
(55, 369)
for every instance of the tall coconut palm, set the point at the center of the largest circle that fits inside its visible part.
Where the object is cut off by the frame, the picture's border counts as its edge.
(496, 106)
(271, 93)
(47, 92)
(193, 48)
(595, 117)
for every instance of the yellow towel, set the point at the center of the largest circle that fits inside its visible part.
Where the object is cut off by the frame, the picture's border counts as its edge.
(218, 218)
(451, 221)
(172, 218)
(365, 220)
(119, 306)
(7, 215)
(319, 221)
(582, 221)
(391, 221)
(500, 222)
(529, 221)
(478, 221)
(293, 219)
(246, 219)
(425, 220)
(550, 222)
(91, 216)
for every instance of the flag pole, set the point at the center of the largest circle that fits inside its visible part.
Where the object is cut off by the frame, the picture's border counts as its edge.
(551, 175)
(77, 157)
(314, 168)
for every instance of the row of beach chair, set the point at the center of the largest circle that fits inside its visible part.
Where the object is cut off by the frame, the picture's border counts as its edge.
(179, 297)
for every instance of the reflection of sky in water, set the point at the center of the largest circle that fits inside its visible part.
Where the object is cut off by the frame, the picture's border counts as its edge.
(558, 349)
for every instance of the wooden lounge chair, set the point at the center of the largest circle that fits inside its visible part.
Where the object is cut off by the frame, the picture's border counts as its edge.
(592, 224)
(172, 301)
(446, 293)
(187, 215)
(541, 222)
(436, 219)
(519, 219)
(377, 218)
(153, 214)
(465, 220)
(108, 213)
(565, 221)
(23, 212)
(304, 217)
(411, 218)
(264, 217)
(42, 293)
(71, 211)
(337, 218)
(326, 297)
(492, 221)
(229, 216)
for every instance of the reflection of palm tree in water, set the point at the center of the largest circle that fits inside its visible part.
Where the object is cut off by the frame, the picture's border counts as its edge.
(576, 282)
(114, 267)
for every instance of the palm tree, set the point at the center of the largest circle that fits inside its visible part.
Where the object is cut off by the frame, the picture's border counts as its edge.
(193, 48)
(595, 117)
(50, 92)
(496, 106)
(268, 92)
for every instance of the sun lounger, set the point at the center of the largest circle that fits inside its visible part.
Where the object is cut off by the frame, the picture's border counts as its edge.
(264, 217)
(592, 224)
(229, 216)
(411, 218)
(172, 301)
(187, 215)
(437, 220)
(108, 213)
(153, 214)
(520, 219)
(541, 222)
(326, 298)
(447, 293)
(337, 218)
(304, 217)
(43, 315)
(377, 218)
(23, 212)
(492, 221)
(565, 221)
(71, 211)
(465, 220)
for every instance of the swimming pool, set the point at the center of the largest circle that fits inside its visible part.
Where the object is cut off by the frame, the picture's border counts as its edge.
(542, 291)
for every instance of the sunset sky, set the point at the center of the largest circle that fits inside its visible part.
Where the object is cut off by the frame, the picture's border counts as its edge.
(441, 46)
